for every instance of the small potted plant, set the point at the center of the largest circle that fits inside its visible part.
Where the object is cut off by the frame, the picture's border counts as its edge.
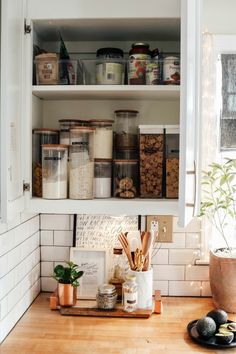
(219, 206)
(67, 277)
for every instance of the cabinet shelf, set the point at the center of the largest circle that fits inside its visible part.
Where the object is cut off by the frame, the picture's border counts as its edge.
(109, 206)
(103, 92)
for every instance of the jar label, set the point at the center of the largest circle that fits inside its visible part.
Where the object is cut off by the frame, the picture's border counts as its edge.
(109, 73)
(152, 73)
(137, 66)
(130, 301)
(52, 158)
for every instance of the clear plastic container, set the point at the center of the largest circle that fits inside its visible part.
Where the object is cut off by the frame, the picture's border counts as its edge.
(66, 125)
(151, 151)
(40, 137)
(103, 138)
(125, 178)
(126, 130)
(81, 169)
(130, 293)
(55, 171)
(102, 178)
(172, 161)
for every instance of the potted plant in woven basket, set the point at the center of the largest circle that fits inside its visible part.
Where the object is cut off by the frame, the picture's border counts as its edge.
(67, 277)
(219, 206)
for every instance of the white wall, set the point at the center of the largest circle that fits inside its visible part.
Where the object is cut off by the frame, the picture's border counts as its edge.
(219, 16)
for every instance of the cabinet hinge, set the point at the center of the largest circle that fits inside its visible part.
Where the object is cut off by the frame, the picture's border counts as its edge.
(26, 187)
(27, 28)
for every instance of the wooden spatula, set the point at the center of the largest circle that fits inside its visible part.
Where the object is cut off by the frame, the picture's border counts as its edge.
(125, 244)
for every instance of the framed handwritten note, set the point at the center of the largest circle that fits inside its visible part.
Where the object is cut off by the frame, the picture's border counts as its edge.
(94, 263)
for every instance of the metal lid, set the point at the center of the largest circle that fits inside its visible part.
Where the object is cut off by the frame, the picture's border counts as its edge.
(45, 131)
(103, 160)
(140, 44)
(102, 122)
(55, 146)
(72, 121)
(106, 289)
(109, 52)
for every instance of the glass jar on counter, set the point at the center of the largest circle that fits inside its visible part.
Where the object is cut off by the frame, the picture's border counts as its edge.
(125, 178)
(139, 56)
(126, 130)
(130, 293)
(110, 66)
(81, 165)
(106, 297)
(40, 137)
(102, 178)
(54, 162)
(103, 139)
(66, 125)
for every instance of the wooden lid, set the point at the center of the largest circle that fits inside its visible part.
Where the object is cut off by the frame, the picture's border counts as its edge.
(125, 161)
(132, 111)
(102, 160)
(84, 128)
(45, 131)
(103, 122)
(54, 146)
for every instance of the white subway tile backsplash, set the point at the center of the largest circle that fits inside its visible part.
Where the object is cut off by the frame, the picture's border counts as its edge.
(183, 256)
(161, 285)
(206, 289)
(54, 222)
(168, 272)
(193, 226)
(63, 238)
(197, 273)
(54, 253)
(193, 240)
(160, 256)
(184, 288)
(47, 269)
(48, 284)
(178, 241)
(46, 238)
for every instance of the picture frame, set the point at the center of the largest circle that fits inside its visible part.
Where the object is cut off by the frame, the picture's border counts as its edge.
(94, 263)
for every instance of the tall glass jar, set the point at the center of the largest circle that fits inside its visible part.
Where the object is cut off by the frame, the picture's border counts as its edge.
(125, 178)
(66, 125)
(126, 129)
(110, 66)
(55, 171)
(130, 293)
(102, 178)
(103, 138)
(40, 137)
(81, 164)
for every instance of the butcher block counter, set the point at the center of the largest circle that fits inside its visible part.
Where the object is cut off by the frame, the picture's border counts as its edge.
(42, 330)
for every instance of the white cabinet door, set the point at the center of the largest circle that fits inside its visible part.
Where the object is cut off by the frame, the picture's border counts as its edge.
(12, 92)
(189, 108)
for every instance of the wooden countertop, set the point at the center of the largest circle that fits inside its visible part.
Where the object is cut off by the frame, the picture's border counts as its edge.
(41, 330)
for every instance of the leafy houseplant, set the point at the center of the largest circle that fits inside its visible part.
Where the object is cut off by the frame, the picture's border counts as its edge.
(219, 206)
(67, 277)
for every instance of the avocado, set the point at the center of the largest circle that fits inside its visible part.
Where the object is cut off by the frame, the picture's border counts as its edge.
(219, 316)
(224, 337)
(206, 327)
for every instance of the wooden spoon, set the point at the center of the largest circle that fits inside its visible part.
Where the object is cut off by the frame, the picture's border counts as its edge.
(125, 244)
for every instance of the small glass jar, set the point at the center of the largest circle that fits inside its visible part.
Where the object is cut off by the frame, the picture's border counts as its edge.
(102, 178)
(126, 130)
(103, 139)
(66, 125)
(106, 297)
(130, 293)
(54, 162)
(40, 137)
(125, 178)
(81, 173)
(110, 66)
(139, 56)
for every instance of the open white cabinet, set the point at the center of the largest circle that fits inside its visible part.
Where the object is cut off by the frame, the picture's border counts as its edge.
(173, 26)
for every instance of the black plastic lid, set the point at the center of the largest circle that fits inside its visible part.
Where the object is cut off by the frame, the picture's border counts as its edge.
(110, 52)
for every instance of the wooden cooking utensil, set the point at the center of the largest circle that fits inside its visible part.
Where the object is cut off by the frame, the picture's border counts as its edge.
(125, 244)
(146, 243)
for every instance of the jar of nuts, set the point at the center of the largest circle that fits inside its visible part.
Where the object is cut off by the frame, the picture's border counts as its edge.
(40, 137)
(125, 178)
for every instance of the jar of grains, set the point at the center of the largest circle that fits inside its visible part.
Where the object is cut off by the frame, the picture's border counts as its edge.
(66, 125)
(106, 297)
(126, 130)
(139, 56)
(40, 137)
(125, 178)
(130, 293)
(55, 171)
(81, 163)
(103, 138)
(110, 66)
(102, 178)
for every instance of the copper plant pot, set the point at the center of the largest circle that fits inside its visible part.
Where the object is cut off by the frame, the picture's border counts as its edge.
(66, 295)
(223, 282)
